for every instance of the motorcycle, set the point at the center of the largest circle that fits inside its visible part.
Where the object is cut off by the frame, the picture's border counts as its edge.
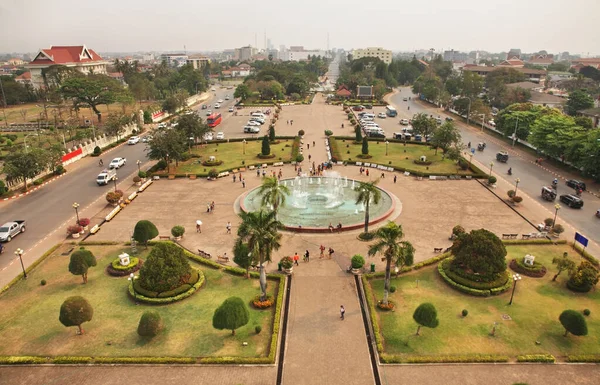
(510, 171)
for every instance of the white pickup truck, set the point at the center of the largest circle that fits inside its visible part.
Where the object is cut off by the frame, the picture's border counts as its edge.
(9, 230)
(117, 162)
(106, 176)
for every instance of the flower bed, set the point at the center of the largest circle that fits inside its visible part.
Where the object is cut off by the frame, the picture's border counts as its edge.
(182, 292)
(390, 305)
(536, 271)
(117, 270)
(267, 303)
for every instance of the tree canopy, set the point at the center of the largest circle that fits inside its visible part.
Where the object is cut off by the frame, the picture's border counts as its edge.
(426, 315)
(166, 268)
(573, 322)
(75, 311)
(144, 231)
(231, 315)
(480, 252)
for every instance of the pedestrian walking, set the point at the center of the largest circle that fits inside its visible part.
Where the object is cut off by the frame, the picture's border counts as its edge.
(395, 178)
(296, 258)
(233, 178)
(330, 252)
(322, 248)
(313, 143)
(264, 173)
(291, 122)
(228, 226)
(308, 146)
(309, 156)
(287, 122)
(243, 183)
(212, 206)
(198, 226)
(342, 312)
(367, 172)
(306, 256)
(208, 208)
(383, 175)
(257, 172)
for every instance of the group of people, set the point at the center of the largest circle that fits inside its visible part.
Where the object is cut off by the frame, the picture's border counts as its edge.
(306, 256)
(290, 122)
(210, 207)
(241, 179)
(363, 170)
(338, 227)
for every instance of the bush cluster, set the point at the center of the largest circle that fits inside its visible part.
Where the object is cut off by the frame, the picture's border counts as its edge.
(536, 271)
(536, 358)
(373, 314)
(469, 290)
(162, 298)
(116, 270)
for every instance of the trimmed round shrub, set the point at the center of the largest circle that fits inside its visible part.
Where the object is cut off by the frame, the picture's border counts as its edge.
(366, 236)
(59, 170)
(301, 133)
(480, 253)
(517, 199)
(137, 179)
(75, 311)
(257, 329)
(143, 174)
(166, 268)
(287, 262)
(213, 173)
(586, 312)
(458, 230)
(300, 158)
(548, 221)
(232, 314)
(492, 180)
(358, 261)
(464, 312)
(392, 289)
(144, 231)
(151, 324)
(573, 322)
(558, 229)
(97, 151)
(43, 283)
(178, 231)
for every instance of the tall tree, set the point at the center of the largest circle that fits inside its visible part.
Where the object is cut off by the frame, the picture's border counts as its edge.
(578, 100)
(388, 241)
(423, 124)
(367, 192)
(192, 126)
(553, 134)
(273, 193)
(446, 136)
(563, 263)
(20, 166)
(168, 145)
(92, 91)
(260, 231)
(242, 92)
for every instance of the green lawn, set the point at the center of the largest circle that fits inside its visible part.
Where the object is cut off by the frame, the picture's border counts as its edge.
(29, 319)
(232, 155)
(398, 155)
(537, 304)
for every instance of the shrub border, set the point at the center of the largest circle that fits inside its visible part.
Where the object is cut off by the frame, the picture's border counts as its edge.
(30, 268)
(153, 301)
(542, 358)
(443, 358)
(469, 290)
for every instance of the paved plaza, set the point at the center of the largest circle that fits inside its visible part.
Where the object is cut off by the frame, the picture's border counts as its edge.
(320, 348)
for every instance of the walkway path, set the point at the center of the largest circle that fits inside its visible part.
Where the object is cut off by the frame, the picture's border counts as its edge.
(321, 348)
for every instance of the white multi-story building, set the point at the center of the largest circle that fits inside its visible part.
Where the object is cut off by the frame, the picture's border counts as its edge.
(198, 61)
(298, 53)
(174, 59)
(79, 57)
(384, 55)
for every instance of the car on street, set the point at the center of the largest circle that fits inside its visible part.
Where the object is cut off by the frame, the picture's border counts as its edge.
(133, 140)
(405, 99)
(368, 106)
(9, 230)
(404, 122)
(217, 105)
(220, 135)
(251, 129)
(381, 115)
(492, 123)
(220, 101)
(227, 97)
(572, 201)
(253, 123)
(106, 176)
(117, 162)
(162, 125)
(358, 108)
(230, 109)
(145, 139)
(213, 89)
(576, 184)
(208, 112)
(208, 136)
(449, 119)
(204, 106)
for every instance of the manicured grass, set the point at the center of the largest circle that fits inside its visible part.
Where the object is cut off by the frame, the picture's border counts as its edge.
(537, 305)
(232, 155)
(29, 319)
(399, 155)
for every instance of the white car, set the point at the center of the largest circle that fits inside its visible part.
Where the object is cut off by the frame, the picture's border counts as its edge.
(230, 109)
(162, 125)
(217, 105)
(133, 140)
(381, 115)
(220, 136)
(227, 97)
(117, 162)
(253, 123)
(492, 123)
(404, 122)
(220, 101)
(208, 112)
(251, 130)
(208, 136)
(213, 89)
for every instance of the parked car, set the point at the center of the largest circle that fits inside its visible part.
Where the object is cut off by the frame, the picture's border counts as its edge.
(208, 112)
(251, 130)
(220, 135)
(358, 108)
(368, 106)
(9, 230)
(449, 119)
(220, 101)
(382, 115)
(376, 134)
(257, 119)
(230, 109)
(106, 176)
(133, 140)
(217, 105)
(405, 99)
(492, 123)
(227, 97)
(576, 184)
(145, 139)
(404, 122)
(117, 162)
(253, 123)
(572, 201)
(208, 136)
(204, 106)
(162, 125)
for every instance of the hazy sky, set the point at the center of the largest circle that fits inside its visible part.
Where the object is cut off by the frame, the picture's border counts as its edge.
(202, 25)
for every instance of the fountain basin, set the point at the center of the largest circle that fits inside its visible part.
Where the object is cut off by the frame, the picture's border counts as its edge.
(316, 202)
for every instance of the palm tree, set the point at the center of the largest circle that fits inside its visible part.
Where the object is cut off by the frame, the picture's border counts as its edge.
(388, 241)
(367, 191)
(273, 193)
(260, 231)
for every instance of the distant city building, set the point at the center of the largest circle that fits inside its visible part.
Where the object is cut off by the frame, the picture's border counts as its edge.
(15, 61)
(578, 64)
(455, 56)
(245, 53)
(148, 57)
(79, 57)
(513, 63)
(533, 75)
(174, 59)
(198, 61)
(514, 53)
(383, 54)
(298, 53)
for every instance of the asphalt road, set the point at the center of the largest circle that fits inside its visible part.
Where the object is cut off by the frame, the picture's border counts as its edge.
(49, 207)
(532, 177)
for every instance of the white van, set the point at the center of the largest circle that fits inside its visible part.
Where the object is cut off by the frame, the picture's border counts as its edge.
(258, 115)
(371, 130)
(369, 115)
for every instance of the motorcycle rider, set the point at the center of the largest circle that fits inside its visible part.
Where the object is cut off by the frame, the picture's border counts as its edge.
(510, 171)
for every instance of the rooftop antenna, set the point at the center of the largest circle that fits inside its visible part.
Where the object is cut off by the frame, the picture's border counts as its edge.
(184, 50)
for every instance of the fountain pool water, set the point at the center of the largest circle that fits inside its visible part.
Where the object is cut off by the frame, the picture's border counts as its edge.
(315, 202)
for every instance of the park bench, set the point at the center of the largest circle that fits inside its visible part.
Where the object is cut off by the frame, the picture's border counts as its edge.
(437, 249)
(204, 254)
(526, 236)
(505, 236)
(222, 259)
(514, 236)
(164, 237)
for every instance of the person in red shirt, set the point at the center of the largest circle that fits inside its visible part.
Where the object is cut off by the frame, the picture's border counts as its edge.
(296, 258)
(322, 248)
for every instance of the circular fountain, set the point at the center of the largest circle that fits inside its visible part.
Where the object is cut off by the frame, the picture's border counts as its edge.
(316, 202)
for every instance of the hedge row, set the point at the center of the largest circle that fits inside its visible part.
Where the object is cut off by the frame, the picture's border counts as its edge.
(417, 266)
(96, 243)
(539, 241)
(536, 358)
(589, 257)
(372, 313)
(277, 320)
(469, 290)
(583, 358)
(295, 148)
(30, 268)
(163, 300)
(26, 360)
(417, 359)
(335, 150)
(465, 281)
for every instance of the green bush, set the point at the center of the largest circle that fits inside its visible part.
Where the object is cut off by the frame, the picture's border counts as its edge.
(232, 314)
(150, 325)
(257, 329)
(144, 231)
(587, 312)
(97, 151)
(38, 182)
(358, 261)
(178, 231)
(536, 271)
(116, 263)
(464, 279)
(3, 187)
(492, 179)
(140, 296)
(175, 292)
(213, 173)
(536, 358)
(459, 287)
(75, 311)
(142, 174)
(421, 359)
(328, 132)
(480, 252)
(574, 358)
(301, 132)
(166, 268)
(465, 312)
(392, 289)
(43, 283)
(573, 322)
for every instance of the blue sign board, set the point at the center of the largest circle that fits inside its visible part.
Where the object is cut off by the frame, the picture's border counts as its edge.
(581, 239)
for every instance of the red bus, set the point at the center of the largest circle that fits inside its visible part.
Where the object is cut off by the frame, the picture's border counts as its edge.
(214, 120)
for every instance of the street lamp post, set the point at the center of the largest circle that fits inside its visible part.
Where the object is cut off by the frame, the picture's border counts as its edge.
(556, 207)
(76, 207)
(19, 253)
(491, 167)
(515, 133)
(516, 278)
(386, 147)
(517, 185)
(131, 278)
(139, 162)
(244, 146)
(115, 183)
(482, 120)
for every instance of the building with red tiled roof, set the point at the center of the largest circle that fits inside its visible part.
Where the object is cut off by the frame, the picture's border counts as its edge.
(514, 63)
(533, 75)
(24, 78)
(79, 57)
